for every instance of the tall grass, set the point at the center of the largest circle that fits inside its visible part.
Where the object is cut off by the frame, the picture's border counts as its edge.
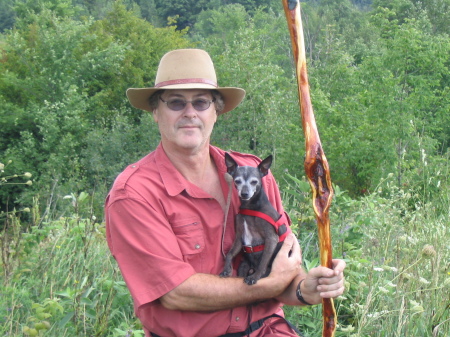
(60, 280)
(63, 282)
(396, 245)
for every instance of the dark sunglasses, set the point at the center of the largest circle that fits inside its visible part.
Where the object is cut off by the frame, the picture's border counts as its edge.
(178, 104)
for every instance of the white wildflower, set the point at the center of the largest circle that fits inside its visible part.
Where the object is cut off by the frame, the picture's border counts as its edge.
(349, 328)
(407, 276)
(423, 281)
(402, 238)
(410, 238)
(383, 290)
(416, 309)
(356, 306)
(424, 155)
(413, 303)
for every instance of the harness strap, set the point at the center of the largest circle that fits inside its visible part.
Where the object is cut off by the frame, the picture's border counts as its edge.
(253, 249)
(282, 220)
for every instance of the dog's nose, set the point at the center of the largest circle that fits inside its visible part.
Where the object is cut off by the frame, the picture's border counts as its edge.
(244, 195)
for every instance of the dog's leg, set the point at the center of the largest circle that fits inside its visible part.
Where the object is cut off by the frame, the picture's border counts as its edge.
(269, 249)
(235, 249)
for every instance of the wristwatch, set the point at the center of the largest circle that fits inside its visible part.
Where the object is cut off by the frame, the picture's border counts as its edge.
(299, 294)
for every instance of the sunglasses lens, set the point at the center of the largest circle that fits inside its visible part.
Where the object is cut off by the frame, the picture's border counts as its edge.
(201, 104)
(176, 104)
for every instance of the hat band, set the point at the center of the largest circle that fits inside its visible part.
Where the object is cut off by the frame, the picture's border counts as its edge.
(186, 81)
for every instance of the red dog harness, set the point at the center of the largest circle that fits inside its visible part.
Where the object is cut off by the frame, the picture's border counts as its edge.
(277, 224)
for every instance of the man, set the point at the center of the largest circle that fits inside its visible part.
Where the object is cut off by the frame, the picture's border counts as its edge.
(169, 224)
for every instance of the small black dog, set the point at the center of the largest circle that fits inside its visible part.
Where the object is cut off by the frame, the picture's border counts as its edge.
(260, 229)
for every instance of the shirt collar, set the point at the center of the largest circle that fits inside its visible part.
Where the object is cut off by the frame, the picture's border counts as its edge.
(173, 180)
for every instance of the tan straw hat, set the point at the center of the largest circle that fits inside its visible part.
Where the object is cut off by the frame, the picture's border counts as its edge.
(185, 69)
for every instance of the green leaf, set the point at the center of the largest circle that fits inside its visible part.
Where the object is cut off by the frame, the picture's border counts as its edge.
(66, 319)
(91, 313)
(86, 301)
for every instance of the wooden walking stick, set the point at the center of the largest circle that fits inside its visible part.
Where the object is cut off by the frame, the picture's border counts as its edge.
(316, 164)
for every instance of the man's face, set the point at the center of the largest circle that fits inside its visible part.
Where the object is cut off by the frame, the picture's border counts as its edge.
(186, 129)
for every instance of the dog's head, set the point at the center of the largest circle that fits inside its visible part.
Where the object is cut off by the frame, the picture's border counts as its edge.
(247, 179)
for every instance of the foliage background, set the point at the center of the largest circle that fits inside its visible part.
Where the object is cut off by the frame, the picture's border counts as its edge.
(379, 73)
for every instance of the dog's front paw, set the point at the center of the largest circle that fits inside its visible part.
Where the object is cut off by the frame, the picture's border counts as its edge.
(225, 273)
(250, 280)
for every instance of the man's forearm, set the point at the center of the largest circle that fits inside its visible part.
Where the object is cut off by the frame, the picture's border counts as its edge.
(204, 292)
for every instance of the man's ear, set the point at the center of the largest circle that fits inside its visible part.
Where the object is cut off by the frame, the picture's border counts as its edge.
(264, 166)
(155, 115)
(230, 163)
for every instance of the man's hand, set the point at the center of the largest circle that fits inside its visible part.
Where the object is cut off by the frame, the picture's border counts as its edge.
(287, 264)
(322, 282)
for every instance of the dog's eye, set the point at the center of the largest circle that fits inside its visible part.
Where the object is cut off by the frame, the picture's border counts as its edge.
(254, 182)
(238, 181)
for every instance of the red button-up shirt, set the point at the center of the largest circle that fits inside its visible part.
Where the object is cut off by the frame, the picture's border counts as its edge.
(162, 229)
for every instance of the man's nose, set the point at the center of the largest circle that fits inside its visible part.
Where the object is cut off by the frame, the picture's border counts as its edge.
(189, 110)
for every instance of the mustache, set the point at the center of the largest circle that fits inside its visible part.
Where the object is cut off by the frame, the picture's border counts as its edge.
(190, 123)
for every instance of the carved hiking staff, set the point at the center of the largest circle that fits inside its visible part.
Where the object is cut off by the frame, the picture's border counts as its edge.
(316, 165)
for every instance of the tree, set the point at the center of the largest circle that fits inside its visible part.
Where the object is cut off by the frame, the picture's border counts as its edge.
(246, 53)
(62, 80)
(436, 12)
(7, 15)
(390, 107)
(183, 12)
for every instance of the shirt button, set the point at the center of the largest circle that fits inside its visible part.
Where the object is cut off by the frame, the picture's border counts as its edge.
(237, 318)
(133, 166)
(197, 246)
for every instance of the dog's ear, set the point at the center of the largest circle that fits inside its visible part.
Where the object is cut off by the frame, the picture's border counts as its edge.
(230, 163)
(264, 166)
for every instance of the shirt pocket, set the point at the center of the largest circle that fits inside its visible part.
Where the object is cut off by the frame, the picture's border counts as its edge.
(190, 236)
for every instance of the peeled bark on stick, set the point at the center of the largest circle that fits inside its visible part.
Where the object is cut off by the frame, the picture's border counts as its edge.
(316, 164)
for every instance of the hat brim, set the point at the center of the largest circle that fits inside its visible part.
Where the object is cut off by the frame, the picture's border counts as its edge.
(139, 97)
